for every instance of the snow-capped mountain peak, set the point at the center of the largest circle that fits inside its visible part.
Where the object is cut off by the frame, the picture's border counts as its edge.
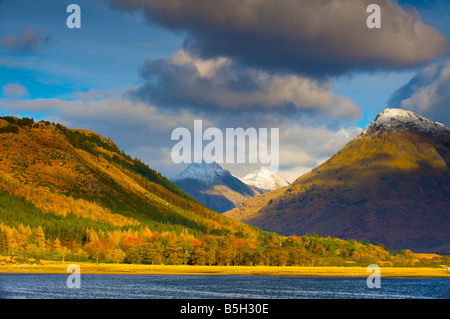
(399, 119)
(264, 180)
(206, 172)
(214, 186)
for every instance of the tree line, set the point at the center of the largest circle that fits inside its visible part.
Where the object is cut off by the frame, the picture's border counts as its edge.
(144, 246)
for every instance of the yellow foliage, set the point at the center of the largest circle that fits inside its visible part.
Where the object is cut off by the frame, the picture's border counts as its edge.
(60, 204)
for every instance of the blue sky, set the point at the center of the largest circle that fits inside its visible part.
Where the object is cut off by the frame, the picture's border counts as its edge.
(126, 75)
(105, 53)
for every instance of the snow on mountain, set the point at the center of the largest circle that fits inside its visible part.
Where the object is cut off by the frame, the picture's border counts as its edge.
(399, 119)
(264, 180)
(214, 186)
(208, 173)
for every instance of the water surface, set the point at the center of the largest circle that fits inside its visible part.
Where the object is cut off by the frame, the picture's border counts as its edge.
(54, 286)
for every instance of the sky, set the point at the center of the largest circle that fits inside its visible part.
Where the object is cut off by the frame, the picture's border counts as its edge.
(138, 69)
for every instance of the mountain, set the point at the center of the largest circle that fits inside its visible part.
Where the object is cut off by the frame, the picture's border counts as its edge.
(73, 195)
(78, 186)
(264, 180)
(213, 186)
(390, 184)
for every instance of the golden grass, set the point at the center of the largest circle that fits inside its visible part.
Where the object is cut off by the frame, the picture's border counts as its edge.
(92, 268)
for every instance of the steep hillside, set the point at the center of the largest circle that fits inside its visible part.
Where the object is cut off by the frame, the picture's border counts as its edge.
(66, 171)
(390, 184)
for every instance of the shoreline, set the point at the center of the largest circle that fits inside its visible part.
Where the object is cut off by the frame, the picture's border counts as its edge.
(294, 271)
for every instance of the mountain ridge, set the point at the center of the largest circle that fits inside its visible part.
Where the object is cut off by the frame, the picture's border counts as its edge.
(402, 120)
(389, 184)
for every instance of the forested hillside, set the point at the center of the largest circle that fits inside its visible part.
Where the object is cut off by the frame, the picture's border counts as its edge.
(74, 195)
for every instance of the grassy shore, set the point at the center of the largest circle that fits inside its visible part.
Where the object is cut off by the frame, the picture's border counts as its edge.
(92, 268)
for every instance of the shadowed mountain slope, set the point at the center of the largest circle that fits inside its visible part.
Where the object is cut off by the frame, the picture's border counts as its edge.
(390, 184)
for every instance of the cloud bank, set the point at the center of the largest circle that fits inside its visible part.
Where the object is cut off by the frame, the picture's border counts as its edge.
(316, 38)
(219, 86)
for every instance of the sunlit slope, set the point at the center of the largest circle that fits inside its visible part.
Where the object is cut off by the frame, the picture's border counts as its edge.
(390, 184)
(66, 172)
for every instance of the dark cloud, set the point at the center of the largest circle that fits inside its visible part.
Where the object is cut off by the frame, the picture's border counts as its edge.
(317, 38)
(220, 86)
(428, 93)
(28, 40)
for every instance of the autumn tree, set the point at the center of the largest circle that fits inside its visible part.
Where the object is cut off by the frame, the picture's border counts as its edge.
(3, 242)
(59, 249)
(40, 237)
(186, 247)
(151, 252)
(23, 233)
(116, 256)
(132, 256)
(173, 253)
(11, 241)
(56, 245)
(95, 249)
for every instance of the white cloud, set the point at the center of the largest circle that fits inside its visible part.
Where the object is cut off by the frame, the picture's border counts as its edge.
(15, 90)
(303, 148)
